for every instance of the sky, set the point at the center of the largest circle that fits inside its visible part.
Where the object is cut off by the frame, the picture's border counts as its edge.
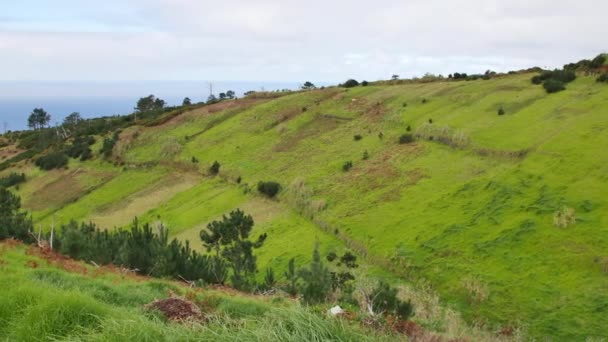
(287, 40)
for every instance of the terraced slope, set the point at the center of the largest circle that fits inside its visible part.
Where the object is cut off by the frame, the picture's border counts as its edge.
(469, 208)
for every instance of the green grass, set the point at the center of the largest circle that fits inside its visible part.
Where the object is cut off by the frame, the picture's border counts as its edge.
(47, 303)
(426, 212)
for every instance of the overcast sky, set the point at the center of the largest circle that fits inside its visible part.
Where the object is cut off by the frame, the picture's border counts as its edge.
(287, 40)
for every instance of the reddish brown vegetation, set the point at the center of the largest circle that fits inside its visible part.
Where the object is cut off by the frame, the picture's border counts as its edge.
(177, 309)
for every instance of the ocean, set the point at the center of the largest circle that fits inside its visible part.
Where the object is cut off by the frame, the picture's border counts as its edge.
(103, 98)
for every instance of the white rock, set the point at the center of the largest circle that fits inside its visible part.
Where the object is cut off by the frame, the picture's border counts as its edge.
(335, 311)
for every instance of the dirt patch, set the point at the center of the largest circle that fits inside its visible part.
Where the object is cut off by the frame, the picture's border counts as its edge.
(56, 259)
(63, 190)
(319, 125)
(8, 152)
(31, 264)
(177, 309)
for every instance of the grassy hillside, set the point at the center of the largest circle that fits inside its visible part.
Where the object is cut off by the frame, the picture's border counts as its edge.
(467, 209)
(47, 297)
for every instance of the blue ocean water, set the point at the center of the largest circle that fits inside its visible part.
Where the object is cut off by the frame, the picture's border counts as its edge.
(93, 99)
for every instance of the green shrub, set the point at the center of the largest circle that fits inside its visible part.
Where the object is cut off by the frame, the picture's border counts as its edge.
(603, 78)
(501, 111)
(357, 137)
(350, 83)
(365, 155)
(347, 166)
(406, 138)
(553, 86)
(598, 61)
(53, 160)
(269, 189)
(214, 169)
(12, 179)
(364, 83)
(385, 300)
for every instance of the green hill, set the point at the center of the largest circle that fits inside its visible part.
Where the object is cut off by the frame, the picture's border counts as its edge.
(503, 216)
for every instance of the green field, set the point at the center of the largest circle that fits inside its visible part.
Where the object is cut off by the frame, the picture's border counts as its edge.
(467, 210)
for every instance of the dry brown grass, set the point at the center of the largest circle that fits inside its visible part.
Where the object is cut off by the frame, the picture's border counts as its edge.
(564, 217)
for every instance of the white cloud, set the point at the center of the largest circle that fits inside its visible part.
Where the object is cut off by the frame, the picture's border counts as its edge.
(292, 40)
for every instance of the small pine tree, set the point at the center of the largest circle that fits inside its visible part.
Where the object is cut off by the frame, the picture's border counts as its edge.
(501, 111)
(347, 166)
(316, 280)
(215, 168)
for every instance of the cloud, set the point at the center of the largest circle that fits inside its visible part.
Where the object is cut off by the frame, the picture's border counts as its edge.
(292, 40)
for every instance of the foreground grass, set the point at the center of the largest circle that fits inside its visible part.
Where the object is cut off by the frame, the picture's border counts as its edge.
(40, 302)
(473, 222)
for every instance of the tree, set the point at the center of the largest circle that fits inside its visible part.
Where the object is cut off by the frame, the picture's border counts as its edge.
(553, 86)
(72, 120)
(395, 77)
(211, 99)
(316, 283)
(350, 83)
(292, 278)
(222, 96)
(149, 103)
(598, 61)
(270, 189)
(229, 238)
(308, 85)
(215, 168)
(230, 94)
(13, 222)
(186, 102)
(38, 119)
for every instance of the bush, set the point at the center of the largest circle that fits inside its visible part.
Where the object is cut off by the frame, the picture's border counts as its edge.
(603, 78)
(365, 155)
(553, 86)
(12, 179)
(501, 111)
(385, 300)
(598, 61)
(406, 138)
(350, 83)
(347, 166)
(215, 168)
(357, 137)
(364, 83)
(270, 189)
(425, 100)
(51, 161)
(409, 128)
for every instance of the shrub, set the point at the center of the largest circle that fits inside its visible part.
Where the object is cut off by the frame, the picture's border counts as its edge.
(603, 78)
(270, 189)
(430, 121)
(406, 138)
(385, 301)
(215, 168)
(194, 160)
(350, 83)
(357, 137)
(365, 155)
(364, 83)
(51, 161)
(425, 100)
(501, 111)
(12, 179)
(409, 128)
(598, 61)
(553, 86)
(404, 104)
(347, 166)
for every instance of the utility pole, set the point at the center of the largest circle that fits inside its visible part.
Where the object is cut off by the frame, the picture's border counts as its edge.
(5, 126)
(210, 89)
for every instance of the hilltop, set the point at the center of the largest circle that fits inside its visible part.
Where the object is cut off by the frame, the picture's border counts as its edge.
(488, 192)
